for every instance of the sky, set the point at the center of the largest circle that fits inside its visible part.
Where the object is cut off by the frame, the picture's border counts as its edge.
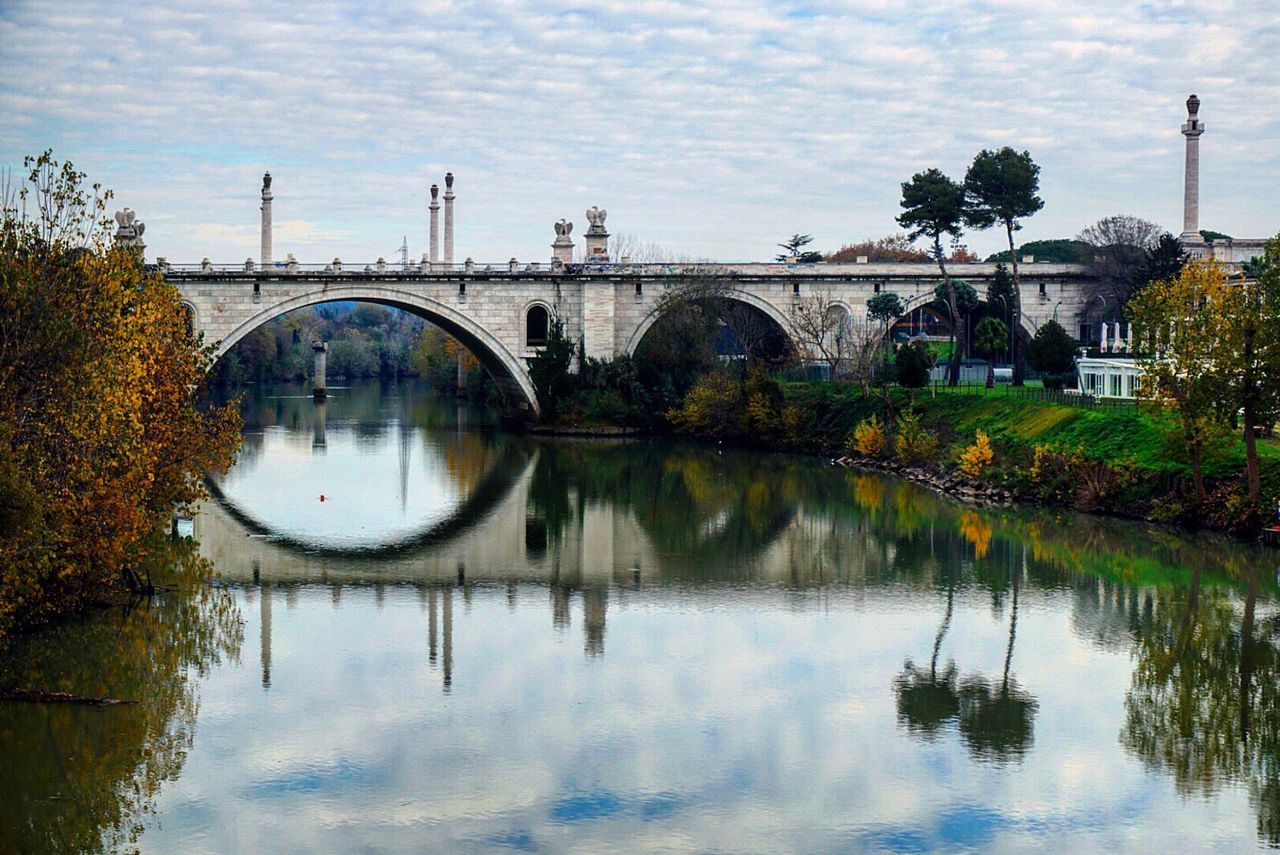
(713, 129)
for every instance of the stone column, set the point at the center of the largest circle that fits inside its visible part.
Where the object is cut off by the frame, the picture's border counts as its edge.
(321, 349)
(562, 249)
(434, 238)
(448, 218)
(599, 298)
(1192, 130)
(265, 259)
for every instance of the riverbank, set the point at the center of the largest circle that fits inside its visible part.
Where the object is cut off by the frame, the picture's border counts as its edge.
(1115, 461)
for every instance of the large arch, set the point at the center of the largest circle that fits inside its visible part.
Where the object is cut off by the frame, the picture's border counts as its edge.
(759, 303)
(507, 371)
(910, 304)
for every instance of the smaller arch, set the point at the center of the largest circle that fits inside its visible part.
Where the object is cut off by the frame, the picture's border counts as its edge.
(764, 306)
(536, 326)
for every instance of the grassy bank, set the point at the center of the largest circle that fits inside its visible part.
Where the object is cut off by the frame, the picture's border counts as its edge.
(1123, 461)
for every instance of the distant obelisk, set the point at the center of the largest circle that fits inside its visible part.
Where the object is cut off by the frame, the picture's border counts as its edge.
(435, 223)
(448, 218)
(266, 221)
(1192, 130)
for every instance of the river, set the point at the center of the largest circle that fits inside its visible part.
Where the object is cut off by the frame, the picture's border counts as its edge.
(426, 634)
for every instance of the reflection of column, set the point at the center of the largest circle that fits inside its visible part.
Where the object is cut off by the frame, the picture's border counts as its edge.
(559, 606)
(318, 426)
(432, 628)
(264, 620)
(448, 638)
(321, 349)
(595, 602)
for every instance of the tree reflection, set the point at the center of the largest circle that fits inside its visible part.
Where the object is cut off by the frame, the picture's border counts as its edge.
(927, 700)
(85, 779)
(1204, 704)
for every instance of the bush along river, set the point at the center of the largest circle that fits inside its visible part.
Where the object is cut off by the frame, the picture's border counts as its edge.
(426, 634)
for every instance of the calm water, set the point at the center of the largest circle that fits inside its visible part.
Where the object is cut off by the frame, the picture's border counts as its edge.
(478, 641)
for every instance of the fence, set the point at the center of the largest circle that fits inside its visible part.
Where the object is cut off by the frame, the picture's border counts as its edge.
(1066, 397)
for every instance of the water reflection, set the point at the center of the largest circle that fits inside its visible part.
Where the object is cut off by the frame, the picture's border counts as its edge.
(650, 645)
(83, 779)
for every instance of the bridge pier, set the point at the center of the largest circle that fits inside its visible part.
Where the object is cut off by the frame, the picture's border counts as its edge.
(318, 389)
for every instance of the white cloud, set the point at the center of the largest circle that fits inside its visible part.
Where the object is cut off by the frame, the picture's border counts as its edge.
(714, 127)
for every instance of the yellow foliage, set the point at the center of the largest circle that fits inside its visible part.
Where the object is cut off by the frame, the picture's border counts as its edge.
(914, 443)
(869, 438)
(976, 458)
(103, 428)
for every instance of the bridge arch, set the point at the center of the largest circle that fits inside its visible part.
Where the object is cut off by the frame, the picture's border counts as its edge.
(910, 304)
(510, 374)
(762, 305)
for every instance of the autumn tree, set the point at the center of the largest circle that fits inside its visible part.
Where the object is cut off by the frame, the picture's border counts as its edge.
(1247, 355)
(103, 429)
(933, 206)
(1177, 362)
(1000, 189)
(891, 248)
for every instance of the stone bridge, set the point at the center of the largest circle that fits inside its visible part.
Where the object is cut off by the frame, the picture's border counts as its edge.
(500, 312)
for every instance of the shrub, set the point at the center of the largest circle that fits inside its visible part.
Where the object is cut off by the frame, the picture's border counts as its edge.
(1052, 350)
(914, 443)
(868, 438)
(1052, 475)
(976, 458)
(712, 409)
(913, 361)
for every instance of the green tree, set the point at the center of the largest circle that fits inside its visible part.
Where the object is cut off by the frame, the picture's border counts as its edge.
(913, 362)
(1162, 261)
(795, 246)
(1056, 250)
(1052, 352)
(932, 206)
(549, 369)
(966, 302)
(991, 336)
(1000, 293)
(885, 307)
(1000, 188)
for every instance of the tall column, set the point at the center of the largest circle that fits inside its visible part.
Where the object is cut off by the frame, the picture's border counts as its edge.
(448, 218)
(1192, 130)
(435, 223)
(321, 349)
(265, 258)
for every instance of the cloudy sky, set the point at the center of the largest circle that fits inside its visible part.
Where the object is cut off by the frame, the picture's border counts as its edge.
(712, 128)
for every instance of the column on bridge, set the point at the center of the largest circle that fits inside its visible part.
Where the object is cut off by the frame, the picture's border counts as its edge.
(598, 297)
(1192, 129)
(265, 257)
(434, 237)
(448, 218)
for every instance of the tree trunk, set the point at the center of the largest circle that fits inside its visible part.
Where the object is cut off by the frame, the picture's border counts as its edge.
(1197, 477)
(1018, 354)
(991, 373)
(957, 329)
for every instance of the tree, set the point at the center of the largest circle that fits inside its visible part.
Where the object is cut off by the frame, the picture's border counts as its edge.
(1115, 255)
(1178, 351)
(885, 307)
(1052, 352)
(991, 336)
(913, 362)
(1000, 188)
(549, 369)
(1247, 354)
(891, 248)
(1056, 250)
(1162, 261)
(1000, 292)
(966, 302)
(795, 247)
(103, 425)
(825, 328)
(932, 206)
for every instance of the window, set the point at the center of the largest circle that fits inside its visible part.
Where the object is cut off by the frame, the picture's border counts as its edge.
(1042, 292)
(795, 288)
(639, 289)
(877, 287)
(1115, 385)
(537, 323)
